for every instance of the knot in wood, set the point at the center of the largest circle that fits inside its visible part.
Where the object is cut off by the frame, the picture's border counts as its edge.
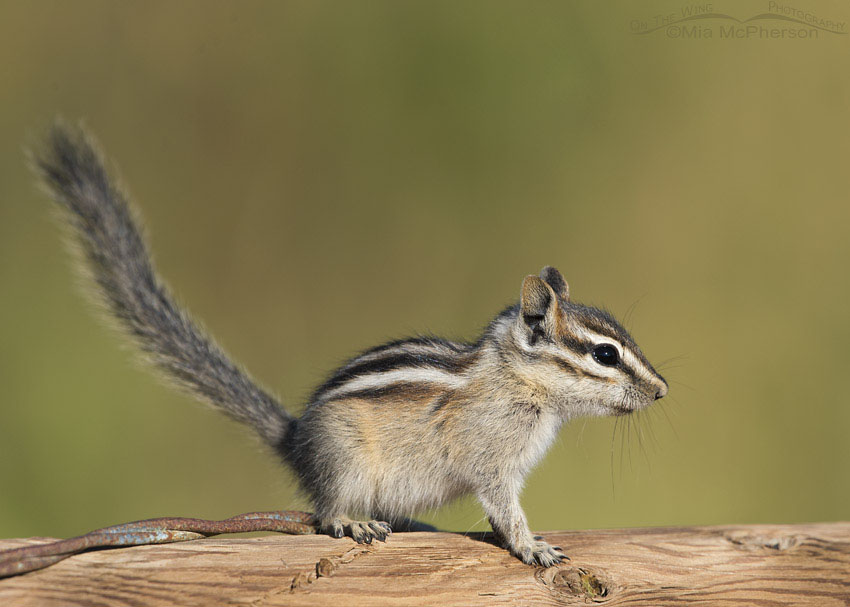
(324, 568)
(778, 542)
(575, 582)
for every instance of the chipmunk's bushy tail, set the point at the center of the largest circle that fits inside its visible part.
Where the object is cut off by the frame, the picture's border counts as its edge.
(118, 260)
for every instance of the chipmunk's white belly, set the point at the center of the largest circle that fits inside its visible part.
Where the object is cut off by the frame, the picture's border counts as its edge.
(405, 491)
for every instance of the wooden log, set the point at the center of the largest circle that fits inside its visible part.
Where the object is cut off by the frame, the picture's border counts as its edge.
(762, 565)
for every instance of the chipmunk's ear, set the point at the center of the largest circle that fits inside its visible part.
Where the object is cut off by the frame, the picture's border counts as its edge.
(556, 280)
(538, 308)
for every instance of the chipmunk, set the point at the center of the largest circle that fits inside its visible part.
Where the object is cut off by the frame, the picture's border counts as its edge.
(405, 426)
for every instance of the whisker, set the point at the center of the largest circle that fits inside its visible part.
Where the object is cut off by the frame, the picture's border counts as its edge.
(627, 317)
(651, 430)
(623, 443)
(613, 437)
(672, 359)
(675, 401)
(663, 410)
(683, 384)
(581, 433)
(641, 423)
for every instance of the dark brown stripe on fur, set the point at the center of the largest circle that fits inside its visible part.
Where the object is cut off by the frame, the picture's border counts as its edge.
(398, 360)
(411, 390)
(573, 370)
(441, 402)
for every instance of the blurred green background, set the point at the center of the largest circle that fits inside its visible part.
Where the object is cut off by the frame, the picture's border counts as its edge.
(318, 177)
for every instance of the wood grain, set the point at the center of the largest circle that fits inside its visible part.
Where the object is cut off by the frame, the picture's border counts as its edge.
(762, 565)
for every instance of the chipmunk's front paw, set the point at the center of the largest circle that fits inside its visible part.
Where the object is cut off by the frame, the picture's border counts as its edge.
(362, 533)
(539, 552)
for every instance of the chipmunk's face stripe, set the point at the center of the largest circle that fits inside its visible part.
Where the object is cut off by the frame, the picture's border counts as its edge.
(571, 368)
(639, 368)
(571, 354)
(581, 334)
(591, 339)
(633, 362)
(572, 349)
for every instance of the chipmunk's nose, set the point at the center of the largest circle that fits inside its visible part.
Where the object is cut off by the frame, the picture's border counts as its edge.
(662, 391)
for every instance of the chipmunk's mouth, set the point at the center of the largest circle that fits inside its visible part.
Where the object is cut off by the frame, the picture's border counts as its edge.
(632, 400)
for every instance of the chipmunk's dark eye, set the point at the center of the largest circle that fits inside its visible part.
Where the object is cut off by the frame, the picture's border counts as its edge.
(606, 354)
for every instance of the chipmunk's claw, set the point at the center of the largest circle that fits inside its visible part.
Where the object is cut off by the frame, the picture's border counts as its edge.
(360, 532)
(541, 553)
(381, 530)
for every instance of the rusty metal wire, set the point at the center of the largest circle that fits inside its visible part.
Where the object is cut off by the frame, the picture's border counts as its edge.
(151, 531)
